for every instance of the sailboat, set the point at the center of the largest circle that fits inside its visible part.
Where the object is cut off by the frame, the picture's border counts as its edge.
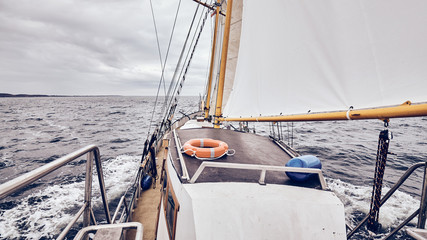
(278, 61)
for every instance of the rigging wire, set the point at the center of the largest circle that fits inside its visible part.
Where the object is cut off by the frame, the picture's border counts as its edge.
(163, 66)
(208, 65)
(162, 79)
(169, 95)
(170, 41)
(174, 99)
(176, 90)
(153, 138)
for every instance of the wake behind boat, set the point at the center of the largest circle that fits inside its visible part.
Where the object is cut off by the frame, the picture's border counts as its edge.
(279, 61)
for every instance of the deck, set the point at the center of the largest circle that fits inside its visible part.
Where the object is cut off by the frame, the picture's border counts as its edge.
(250, 149)
(147, 208)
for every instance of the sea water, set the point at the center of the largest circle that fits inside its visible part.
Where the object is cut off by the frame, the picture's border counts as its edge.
(35, 131)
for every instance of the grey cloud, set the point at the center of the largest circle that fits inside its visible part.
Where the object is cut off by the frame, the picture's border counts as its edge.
(89, 47)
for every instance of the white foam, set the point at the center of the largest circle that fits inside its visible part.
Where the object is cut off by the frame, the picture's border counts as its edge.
(119, 174)
(44, 218)
(357, 198)
(49, 216)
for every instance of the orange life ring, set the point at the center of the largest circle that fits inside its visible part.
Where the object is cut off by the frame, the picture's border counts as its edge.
(205, 148)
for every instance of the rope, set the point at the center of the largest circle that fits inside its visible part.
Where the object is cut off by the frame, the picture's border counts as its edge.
(383, 143)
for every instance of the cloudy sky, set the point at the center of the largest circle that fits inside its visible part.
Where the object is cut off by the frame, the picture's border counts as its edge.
(94, 47)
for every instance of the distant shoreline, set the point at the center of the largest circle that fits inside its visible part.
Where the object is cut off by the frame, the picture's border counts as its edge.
(8, 95)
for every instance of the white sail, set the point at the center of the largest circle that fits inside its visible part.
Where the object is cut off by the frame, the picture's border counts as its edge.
(233, 48)
(298, 56)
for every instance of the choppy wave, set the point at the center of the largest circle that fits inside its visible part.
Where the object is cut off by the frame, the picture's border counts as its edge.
(34, 135)
(356, 200)
(37, 131)
(44, 213)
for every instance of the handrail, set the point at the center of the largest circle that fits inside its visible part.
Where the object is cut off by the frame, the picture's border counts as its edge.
(389, 194)
(413, 215)
(118, 208)
(30, 177)
(262, 168)
(74, 220)
(92, 152)
(128, 225)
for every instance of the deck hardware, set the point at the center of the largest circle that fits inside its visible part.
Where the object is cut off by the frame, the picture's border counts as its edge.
(262, 177)
(262, 168)
(117, 209)
(423, 202)
(125, 211)
(92, 216)
(181, 158)
(128, 225)
(283, 146)
(71, 223)
(413, 215)
(348, 113)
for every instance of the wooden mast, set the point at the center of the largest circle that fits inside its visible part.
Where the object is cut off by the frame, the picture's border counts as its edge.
(220, 92)
(208, 96)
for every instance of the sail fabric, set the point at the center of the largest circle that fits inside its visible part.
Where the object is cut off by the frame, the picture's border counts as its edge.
(300, 56)
(233, 49)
